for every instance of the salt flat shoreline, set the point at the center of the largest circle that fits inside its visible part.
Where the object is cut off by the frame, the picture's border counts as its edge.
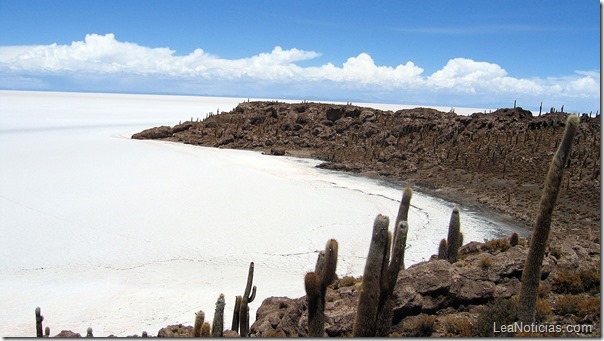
(86, 103)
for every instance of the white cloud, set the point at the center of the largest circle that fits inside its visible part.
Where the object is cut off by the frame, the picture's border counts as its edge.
(106, 56)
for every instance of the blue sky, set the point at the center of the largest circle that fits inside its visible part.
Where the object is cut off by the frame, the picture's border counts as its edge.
(432, 52)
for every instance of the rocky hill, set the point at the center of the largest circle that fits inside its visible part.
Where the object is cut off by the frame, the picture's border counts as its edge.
(496, 160)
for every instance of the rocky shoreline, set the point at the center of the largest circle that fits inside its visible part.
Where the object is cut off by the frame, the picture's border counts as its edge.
(496, 161)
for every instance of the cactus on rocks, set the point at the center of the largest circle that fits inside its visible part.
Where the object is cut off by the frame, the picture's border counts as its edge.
(442, 249)
(244, 310)
(367, 308)
(316, 283)
(532, 266)
(39, 319)
(386, 307)
(205, 330)
(454, 237)
(47, 331)
(514, 239)
(375, 305)
(218, 323)
(200, 316)
(89, 332)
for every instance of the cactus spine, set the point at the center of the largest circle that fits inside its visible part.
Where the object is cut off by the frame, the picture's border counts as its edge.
(532, 266)
(235, 324)
(244, 310)
(39, 319)
(218, 323)
(316, 283)
(454, 236)
(200, 316)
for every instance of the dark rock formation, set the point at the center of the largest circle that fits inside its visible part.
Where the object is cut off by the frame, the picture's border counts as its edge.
(68, 333)
(434, 287)
(155, 133)
(176, 330)
(494, 159)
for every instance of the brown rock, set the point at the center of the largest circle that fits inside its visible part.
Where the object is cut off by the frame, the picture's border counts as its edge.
(176, 330)
(154, 133)
(279, 317)
(68, 333)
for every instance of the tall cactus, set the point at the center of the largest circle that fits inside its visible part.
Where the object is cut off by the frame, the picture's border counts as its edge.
(200, 316)
(39, 319)
(403, 215)
(218, 323)
(316, 283)
(367, 308)
(386, 307)
(244, 310)
(532, 266)
(375, 306)
(235, 324)
(454, 236)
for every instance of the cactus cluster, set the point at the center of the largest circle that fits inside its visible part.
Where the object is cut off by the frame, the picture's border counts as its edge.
(316, 283)
(202, 328)
(384, 261)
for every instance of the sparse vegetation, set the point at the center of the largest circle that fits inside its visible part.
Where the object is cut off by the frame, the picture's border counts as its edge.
(421, 325)
(574, 282)
(501, 312)
(578, 305)
(457, 326)
(486, 262)
(493, 245)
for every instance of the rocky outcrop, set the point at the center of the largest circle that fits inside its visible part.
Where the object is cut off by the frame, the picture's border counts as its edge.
(68, 333)
(493, 159)
(154, 133)
(176, 330)
(434, 287)
(497, 160)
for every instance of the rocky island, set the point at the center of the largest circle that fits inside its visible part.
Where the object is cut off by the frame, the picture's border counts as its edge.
(496, 161)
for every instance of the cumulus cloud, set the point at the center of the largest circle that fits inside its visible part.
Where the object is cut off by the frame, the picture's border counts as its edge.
(106, 56)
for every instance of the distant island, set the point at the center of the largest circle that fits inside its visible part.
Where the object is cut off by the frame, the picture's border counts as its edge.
(497, 160)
